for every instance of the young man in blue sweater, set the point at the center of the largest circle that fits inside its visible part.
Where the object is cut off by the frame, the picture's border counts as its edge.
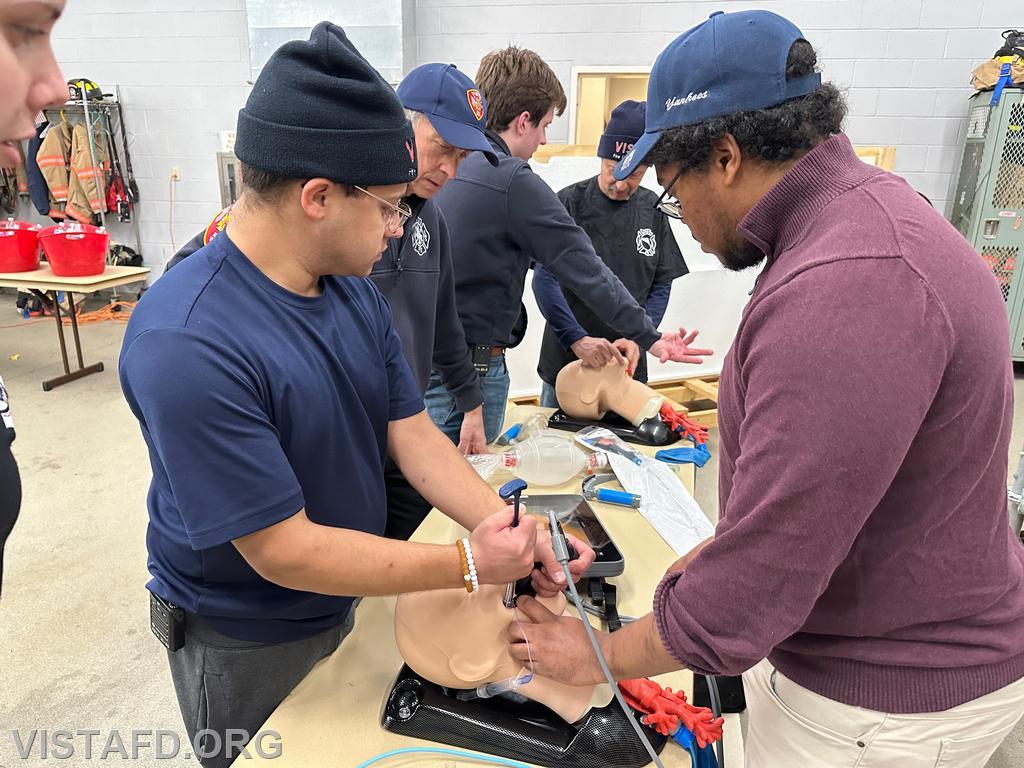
(505, 218)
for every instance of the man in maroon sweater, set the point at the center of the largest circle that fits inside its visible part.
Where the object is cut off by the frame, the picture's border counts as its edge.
(863, 576)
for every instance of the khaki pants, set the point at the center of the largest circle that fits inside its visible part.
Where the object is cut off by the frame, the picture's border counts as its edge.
(790, 726)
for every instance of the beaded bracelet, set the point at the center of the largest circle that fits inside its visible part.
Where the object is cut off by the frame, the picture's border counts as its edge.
(464, 563)
(472, 565)
(468, 565)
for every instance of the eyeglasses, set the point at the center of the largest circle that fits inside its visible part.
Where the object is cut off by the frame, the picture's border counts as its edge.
(670, 208)
(395, 216)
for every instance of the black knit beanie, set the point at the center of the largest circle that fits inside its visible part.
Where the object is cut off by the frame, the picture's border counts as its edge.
(624, 129)
(318, 109)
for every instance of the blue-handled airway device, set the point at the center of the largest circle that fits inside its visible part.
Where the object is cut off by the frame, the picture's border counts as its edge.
(608, 496)
(513, 489)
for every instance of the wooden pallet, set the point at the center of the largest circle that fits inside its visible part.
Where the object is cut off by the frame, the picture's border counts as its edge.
(696, 397)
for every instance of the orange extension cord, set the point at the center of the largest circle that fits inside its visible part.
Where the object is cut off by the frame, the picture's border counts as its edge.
(118, 311)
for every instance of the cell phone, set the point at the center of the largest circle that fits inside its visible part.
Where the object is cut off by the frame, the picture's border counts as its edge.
(167, 621)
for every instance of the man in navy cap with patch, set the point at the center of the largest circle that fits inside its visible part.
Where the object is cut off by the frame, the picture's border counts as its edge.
(863, 576)
(448, 115)
(629, 234)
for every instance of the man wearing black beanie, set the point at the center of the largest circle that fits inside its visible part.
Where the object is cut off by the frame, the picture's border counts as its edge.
(629, 235)
(269, 384)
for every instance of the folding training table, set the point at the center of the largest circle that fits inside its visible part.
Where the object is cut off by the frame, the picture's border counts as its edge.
(43, 280)
(333, 716)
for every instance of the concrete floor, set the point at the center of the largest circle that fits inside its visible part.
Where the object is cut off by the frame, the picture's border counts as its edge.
(75, 647)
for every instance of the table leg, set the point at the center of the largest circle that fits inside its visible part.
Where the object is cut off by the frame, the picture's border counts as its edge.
(74, 329)
(60, 335)
(83, 369)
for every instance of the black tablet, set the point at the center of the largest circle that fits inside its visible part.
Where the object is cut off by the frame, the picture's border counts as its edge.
(579, 520)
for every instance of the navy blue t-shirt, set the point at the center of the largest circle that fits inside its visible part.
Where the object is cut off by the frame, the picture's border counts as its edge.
(256, 402)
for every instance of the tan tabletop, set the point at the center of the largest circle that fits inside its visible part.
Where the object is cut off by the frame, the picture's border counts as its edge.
(43, 279)
(332, 718)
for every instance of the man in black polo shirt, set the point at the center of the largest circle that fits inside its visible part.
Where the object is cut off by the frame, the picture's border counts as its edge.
(629, 234)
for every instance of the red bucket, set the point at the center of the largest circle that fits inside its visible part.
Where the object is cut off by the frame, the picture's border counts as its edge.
(75, 250)
(19, 246)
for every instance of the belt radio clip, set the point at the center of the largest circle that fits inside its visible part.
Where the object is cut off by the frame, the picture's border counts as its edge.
(481, 358)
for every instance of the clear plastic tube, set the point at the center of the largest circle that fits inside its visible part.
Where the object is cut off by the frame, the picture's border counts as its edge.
(488, 690)
(509, 685)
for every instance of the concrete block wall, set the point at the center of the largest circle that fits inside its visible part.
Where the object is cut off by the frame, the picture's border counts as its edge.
(904, 64)
(182, 67)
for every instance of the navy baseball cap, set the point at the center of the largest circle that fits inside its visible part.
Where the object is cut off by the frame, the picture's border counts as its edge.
(453, 103)
(733, 62)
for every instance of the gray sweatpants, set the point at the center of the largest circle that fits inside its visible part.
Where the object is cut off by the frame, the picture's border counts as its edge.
(227, 688)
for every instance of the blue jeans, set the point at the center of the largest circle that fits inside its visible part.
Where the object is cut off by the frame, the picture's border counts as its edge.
(548, 397)
(446, 414)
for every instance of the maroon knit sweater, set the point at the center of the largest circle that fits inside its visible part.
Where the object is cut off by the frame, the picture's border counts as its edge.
(865, 410)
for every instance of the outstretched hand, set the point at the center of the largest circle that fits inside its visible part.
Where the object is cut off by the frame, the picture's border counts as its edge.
(676, 347)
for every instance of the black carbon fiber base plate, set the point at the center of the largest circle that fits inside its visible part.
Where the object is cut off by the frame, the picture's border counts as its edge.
(651, 432)
(526, 731)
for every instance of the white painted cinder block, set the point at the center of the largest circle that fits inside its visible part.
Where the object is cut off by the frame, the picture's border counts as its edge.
(916, 43)
(944, 14)
(674, 16)
(838, 71)
(996, 12)
(941, 74)
(931, 131)
(814, 14)
(873, 130)
(862, 101)
(856, 44)
(881, 73)
(907, 102)
(975, 43)
(891, 14)
(182, 66)
(911, 159)
(891, 56)
(203, 22)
